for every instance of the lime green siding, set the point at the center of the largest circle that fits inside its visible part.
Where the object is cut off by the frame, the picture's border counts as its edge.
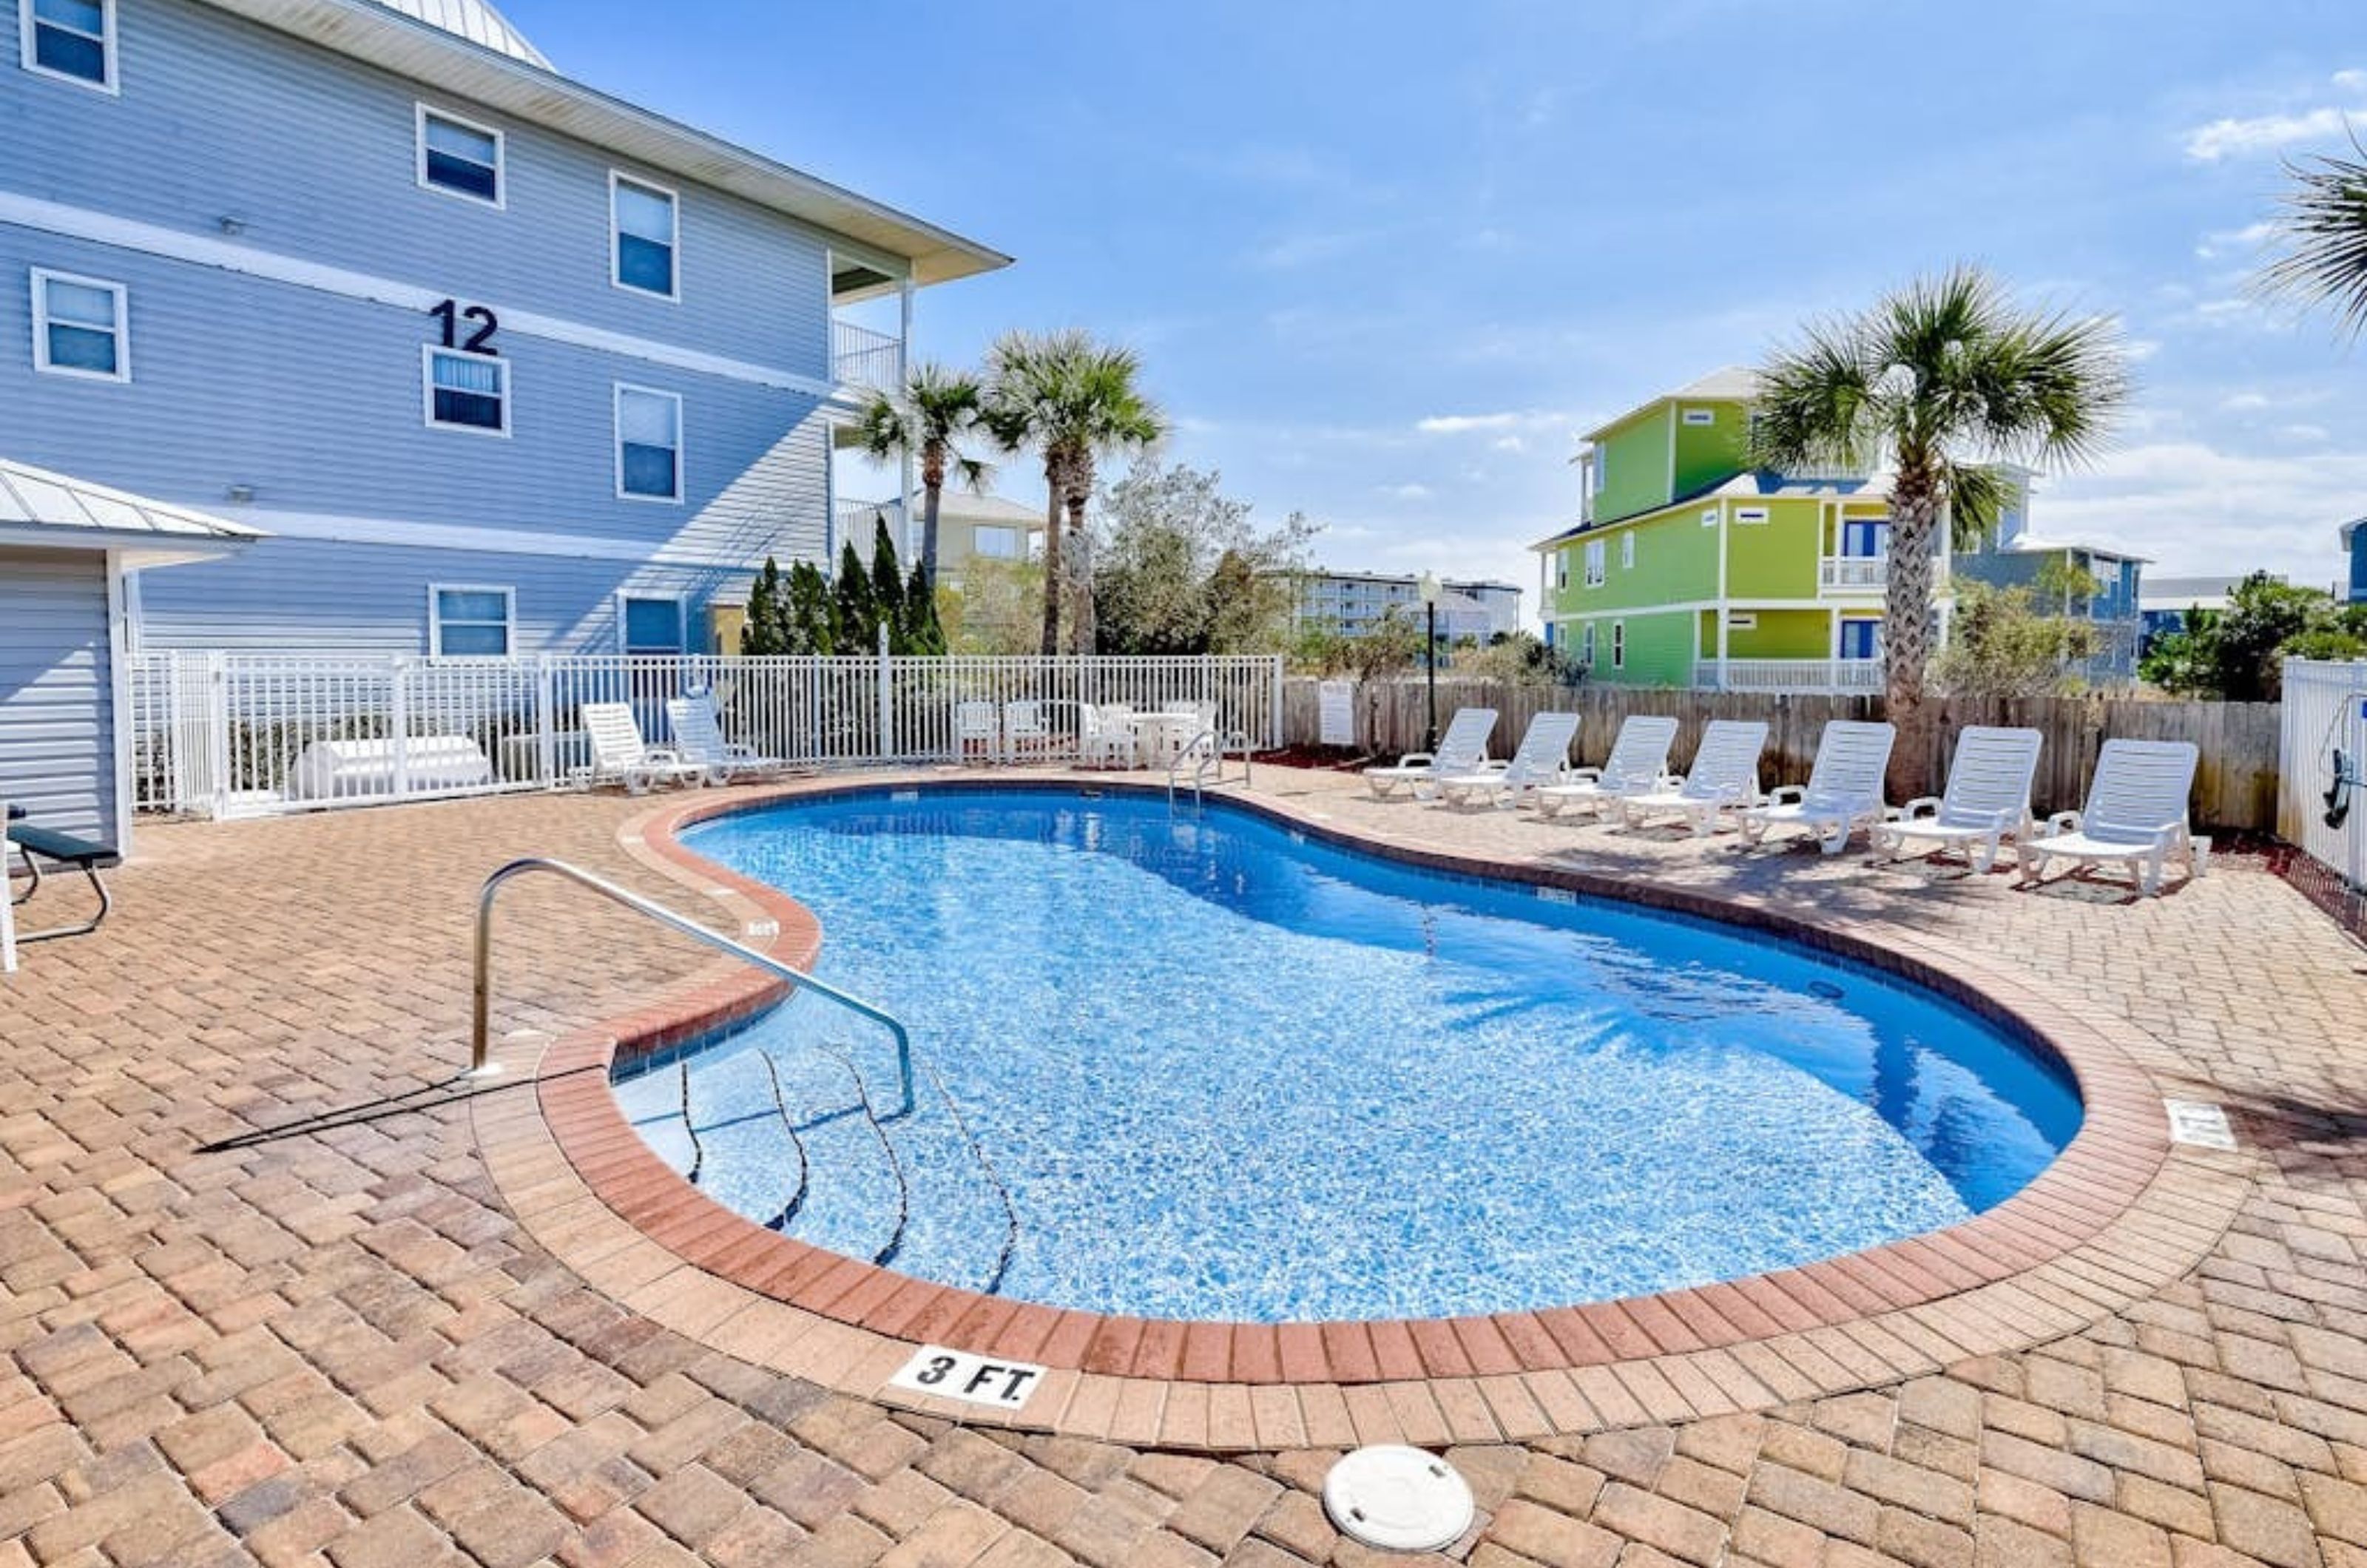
(1783, 634)
(1709, 454)
(1634, 461)
(1777, 559)
(1659, 647)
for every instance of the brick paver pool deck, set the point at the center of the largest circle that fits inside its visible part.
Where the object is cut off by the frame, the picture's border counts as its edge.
(265, 1291)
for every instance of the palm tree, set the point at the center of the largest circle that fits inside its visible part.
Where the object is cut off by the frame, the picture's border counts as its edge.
(2324, 233)
(1073, 400)
(928, 416)
(1939, 380)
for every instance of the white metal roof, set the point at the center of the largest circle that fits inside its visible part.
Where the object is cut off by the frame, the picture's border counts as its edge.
(473, 20)
(400, 39)
(54, 511)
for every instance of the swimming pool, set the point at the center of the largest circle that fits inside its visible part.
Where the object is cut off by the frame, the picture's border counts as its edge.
(1224, 1072)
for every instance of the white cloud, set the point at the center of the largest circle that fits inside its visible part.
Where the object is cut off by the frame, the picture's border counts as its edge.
(1408, 491)
(2193, 507)
(2351, 81)
(2137, 350)
(2224, 242)
(2233, 137)
(1306, 250)
(1468, 423)
(2245, 402)
(2312, 434)
(1508, 444)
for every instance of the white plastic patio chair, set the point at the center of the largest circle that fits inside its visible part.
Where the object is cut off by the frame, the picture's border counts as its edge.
(1463, 750)
(1987, 800)
(1106, 735)
(1025, 730)
(1843, 791)
(976, 733)
(2135, 816)
(1725, 777)
(619, 756)
(1638, 765)
(1542, 758)
(699, 739)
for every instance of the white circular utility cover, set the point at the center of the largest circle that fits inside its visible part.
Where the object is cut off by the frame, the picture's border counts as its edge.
(1398, 1498)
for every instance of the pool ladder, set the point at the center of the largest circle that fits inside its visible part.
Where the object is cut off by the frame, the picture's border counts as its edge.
(1203, 756)
(481, 1064)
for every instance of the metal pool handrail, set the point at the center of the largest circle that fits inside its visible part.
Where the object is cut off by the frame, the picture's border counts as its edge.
(479, 1053)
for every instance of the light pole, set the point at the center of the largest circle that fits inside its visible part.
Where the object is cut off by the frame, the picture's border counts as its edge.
(1429, 590)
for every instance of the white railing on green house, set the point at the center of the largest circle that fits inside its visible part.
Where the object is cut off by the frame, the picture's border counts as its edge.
(220, 734)
(1843, 676)
(1853, 571)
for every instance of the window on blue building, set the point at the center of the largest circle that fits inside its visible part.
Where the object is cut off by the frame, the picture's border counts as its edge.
(467, 391)
(648, 445)
(470, 622)
(72, 39)
(81, 327)
(458, 157)
(644, 217)
(650, 625)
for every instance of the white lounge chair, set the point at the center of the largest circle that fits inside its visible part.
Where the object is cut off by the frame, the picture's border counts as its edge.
(1463, 750)
(1638, 765)
(699, 739)
(1725, 777)
(1986, 801)
(619, 756)
(2135, 816)
(1542, 758)
(1844, 788)
(976, 733)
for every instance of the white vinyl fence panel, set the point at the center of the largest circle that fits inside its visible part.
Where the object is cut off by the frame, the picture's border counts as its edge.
(235, 734)
(2325, 715)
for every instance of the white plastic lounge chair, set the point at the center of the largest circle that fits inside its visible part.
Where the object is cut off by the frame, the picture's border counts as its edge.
(1844, 788)
(1542, 758)
(1024, 731)
(619, 756)
(2135, 815)
(1638, 765)
(1987, 802)
(699, 739)
(1463, 750)
(1725, 776)
(976, 733)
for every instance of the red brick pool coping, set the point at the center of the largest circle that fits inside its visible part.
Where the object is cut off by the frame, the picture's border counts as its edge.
(2118, 1214)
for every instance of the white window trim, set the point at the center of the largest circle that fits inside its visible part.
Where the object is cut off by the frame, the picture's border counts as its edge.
(1597, 574)
(1619, 645)
(1752, 514)
(42, 278)
(681, 604)
(500, 203)
(1586, 643)
(1016, 535)
(616, 234)
(616, 428)
(427, 353)
(1627, 550)
(1841, 638)
(111, 86)
(1594, 473)
(1742, 620)
(436, 591)
(1698, 417)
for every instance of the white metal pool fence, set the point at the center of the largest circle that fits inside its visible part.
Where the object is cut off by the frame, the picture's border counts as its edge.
(222, 734)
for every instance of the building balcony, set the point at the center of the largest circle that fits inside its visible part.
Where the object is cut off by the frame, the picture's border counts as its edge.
(857, 523)
(1852, 574)
(1850, 677)
(864, 360)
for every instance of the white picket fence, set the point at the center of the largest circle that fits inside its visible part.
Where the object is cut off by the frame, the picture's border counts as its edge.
(2325, 713)
(221, 734)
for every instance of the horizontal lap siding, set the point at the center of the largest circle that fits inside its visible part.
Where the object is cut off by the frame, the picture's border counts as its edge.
(311, 399)
(57, 738)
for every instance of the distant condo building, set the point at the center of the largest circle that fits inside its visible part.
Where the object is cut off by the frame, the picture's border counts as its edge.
(1352, 603)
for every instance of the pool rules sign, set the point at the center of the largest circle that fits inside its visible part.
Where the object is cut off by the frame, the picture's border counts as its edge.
(971, 1378)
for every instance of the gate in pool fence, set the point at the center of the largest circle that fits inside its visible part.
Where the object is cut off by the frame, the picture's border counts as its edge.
(221, 734)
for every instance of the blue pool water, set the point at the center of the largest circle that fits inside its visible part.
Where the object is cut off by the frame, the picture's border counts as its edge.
(1224, 1073)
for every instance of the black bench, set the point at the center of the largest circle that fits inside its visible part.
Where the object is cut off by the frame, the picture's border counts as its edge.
(38, 844)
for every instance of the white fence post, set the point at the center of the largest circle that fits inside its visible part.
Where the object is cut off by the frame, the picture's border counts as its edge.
(546, 722)
(886, 749)
(217, 723)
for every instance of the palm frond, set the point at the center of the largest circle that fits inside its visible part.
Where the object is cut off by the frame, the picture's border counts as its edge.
(2323, 234)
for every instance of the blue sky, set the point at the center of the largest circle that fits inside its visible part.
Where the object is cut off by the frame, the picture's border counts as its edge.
(1382, 261)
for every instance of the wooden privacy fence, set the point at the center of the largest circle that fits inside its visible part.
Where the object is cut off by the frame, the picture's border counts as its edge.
(2236, 786)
